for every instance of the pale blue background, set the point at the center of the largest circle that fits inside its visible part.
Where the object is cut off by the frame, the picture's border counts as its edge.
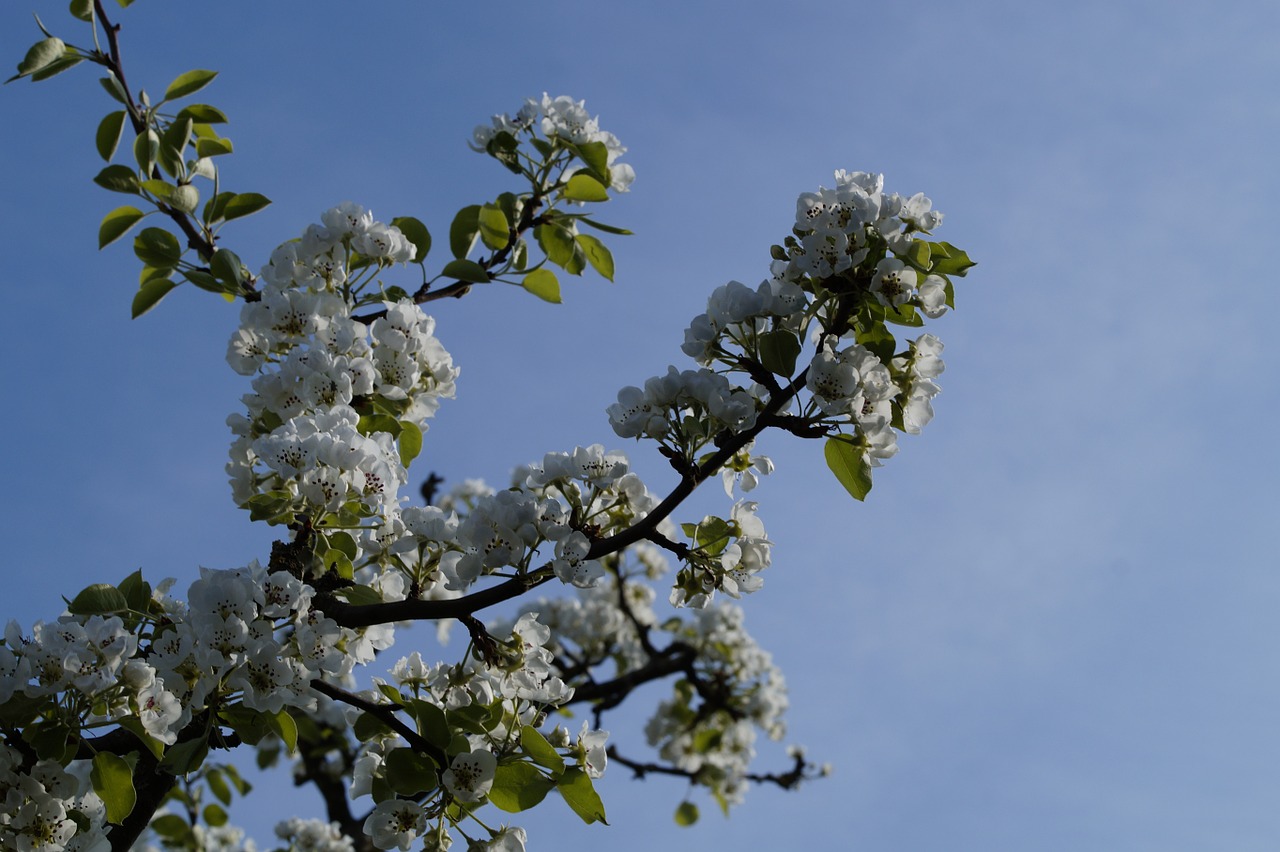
(1052, 626)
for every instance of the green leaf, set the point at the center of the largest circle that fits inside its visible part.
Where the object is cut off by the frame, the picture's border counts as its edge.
(556, 242)
(600, 226)
(250, 725)
(183, 757)
(598, 255)
(543, 284)
(409, 772)
(157, 247)
(113, 88)
(204, 281)
(82, 9)
(146, 145)
(850, 465)
(368, 726)
(70, 59)
(172, 828)
(463, 230)
(107, 138)
(118, 179)
(918, 254)
(202, 114)
(213, 147)
(218, 786)
(416, 233)
(134, 724)
(227, 267)
(113, 782)
(410, 441)
(285, 728)
(40, 55)
(214, 815)
(98, 599)
(136, 591)
(518, 787)
(359, 595)
(595, 156)
(686, 814)
(953, 261)
(243, 204)
(778, 352)
(465, 270)
(495, 231)
(189, 83)
(583, 187)
(879, 340)
(173, 146)
(150, 294)
(19, 711)
(432, 723)
(117, 223)
(539, 750)
(161, 189)
(578, 791)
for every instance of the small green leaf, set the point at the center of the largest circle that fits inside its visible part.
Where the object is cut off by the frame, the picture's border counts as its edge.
(172, 828)
(432, 723)
(107, 138)
(465, 270)
(285, 728)
(556, 242)
(595, 156)
(580, 794)
(218, 786)
(150, 294)
(495, 231)
(173, 146)
(113, 782)
(202, 114)
(41, 54)
(213, 147)
(227, 267)
(146, 146)
(918, 254)
(410, 441)
(543, 284)
(248, 724)
(598, 255)
(518, 787)
(70, 59)
(158, 248)
(98, 599)
(136, 591)
(416, 233)
(113, 87)
(118, 179)
(183, 757)
(409, 772)
(539, 750)
(243, 204)
(82, 9)
(368, 726)
(778, 352)
(850, 465)
(463, 230)
(600, 226)
(117, 223)
(954, 261)
(686, 814)
(583, 187)
(214, 815)
(189, 83)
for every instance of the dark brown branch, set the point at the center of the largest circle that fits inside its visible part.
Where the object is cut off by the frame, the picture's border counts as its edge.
(789, 780)
(385, 713)
(676, 657)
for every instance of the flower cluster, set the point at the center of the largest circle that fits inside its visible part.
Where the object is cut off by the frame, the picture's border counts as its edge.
(559, 118)
(48, 807)
(332, 396)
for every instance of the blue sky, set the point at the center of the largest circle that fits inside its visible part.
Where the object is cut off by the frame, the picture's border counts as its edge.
(1052, 625)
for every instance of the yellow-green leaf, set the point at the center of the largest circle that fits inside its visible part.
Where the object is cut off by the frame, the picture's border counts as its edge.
(543, 284)
(108, 136)
(583, 187)
(189, 83)
(113, 782)
(117, 223)
(850, 465)
(598, 254)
